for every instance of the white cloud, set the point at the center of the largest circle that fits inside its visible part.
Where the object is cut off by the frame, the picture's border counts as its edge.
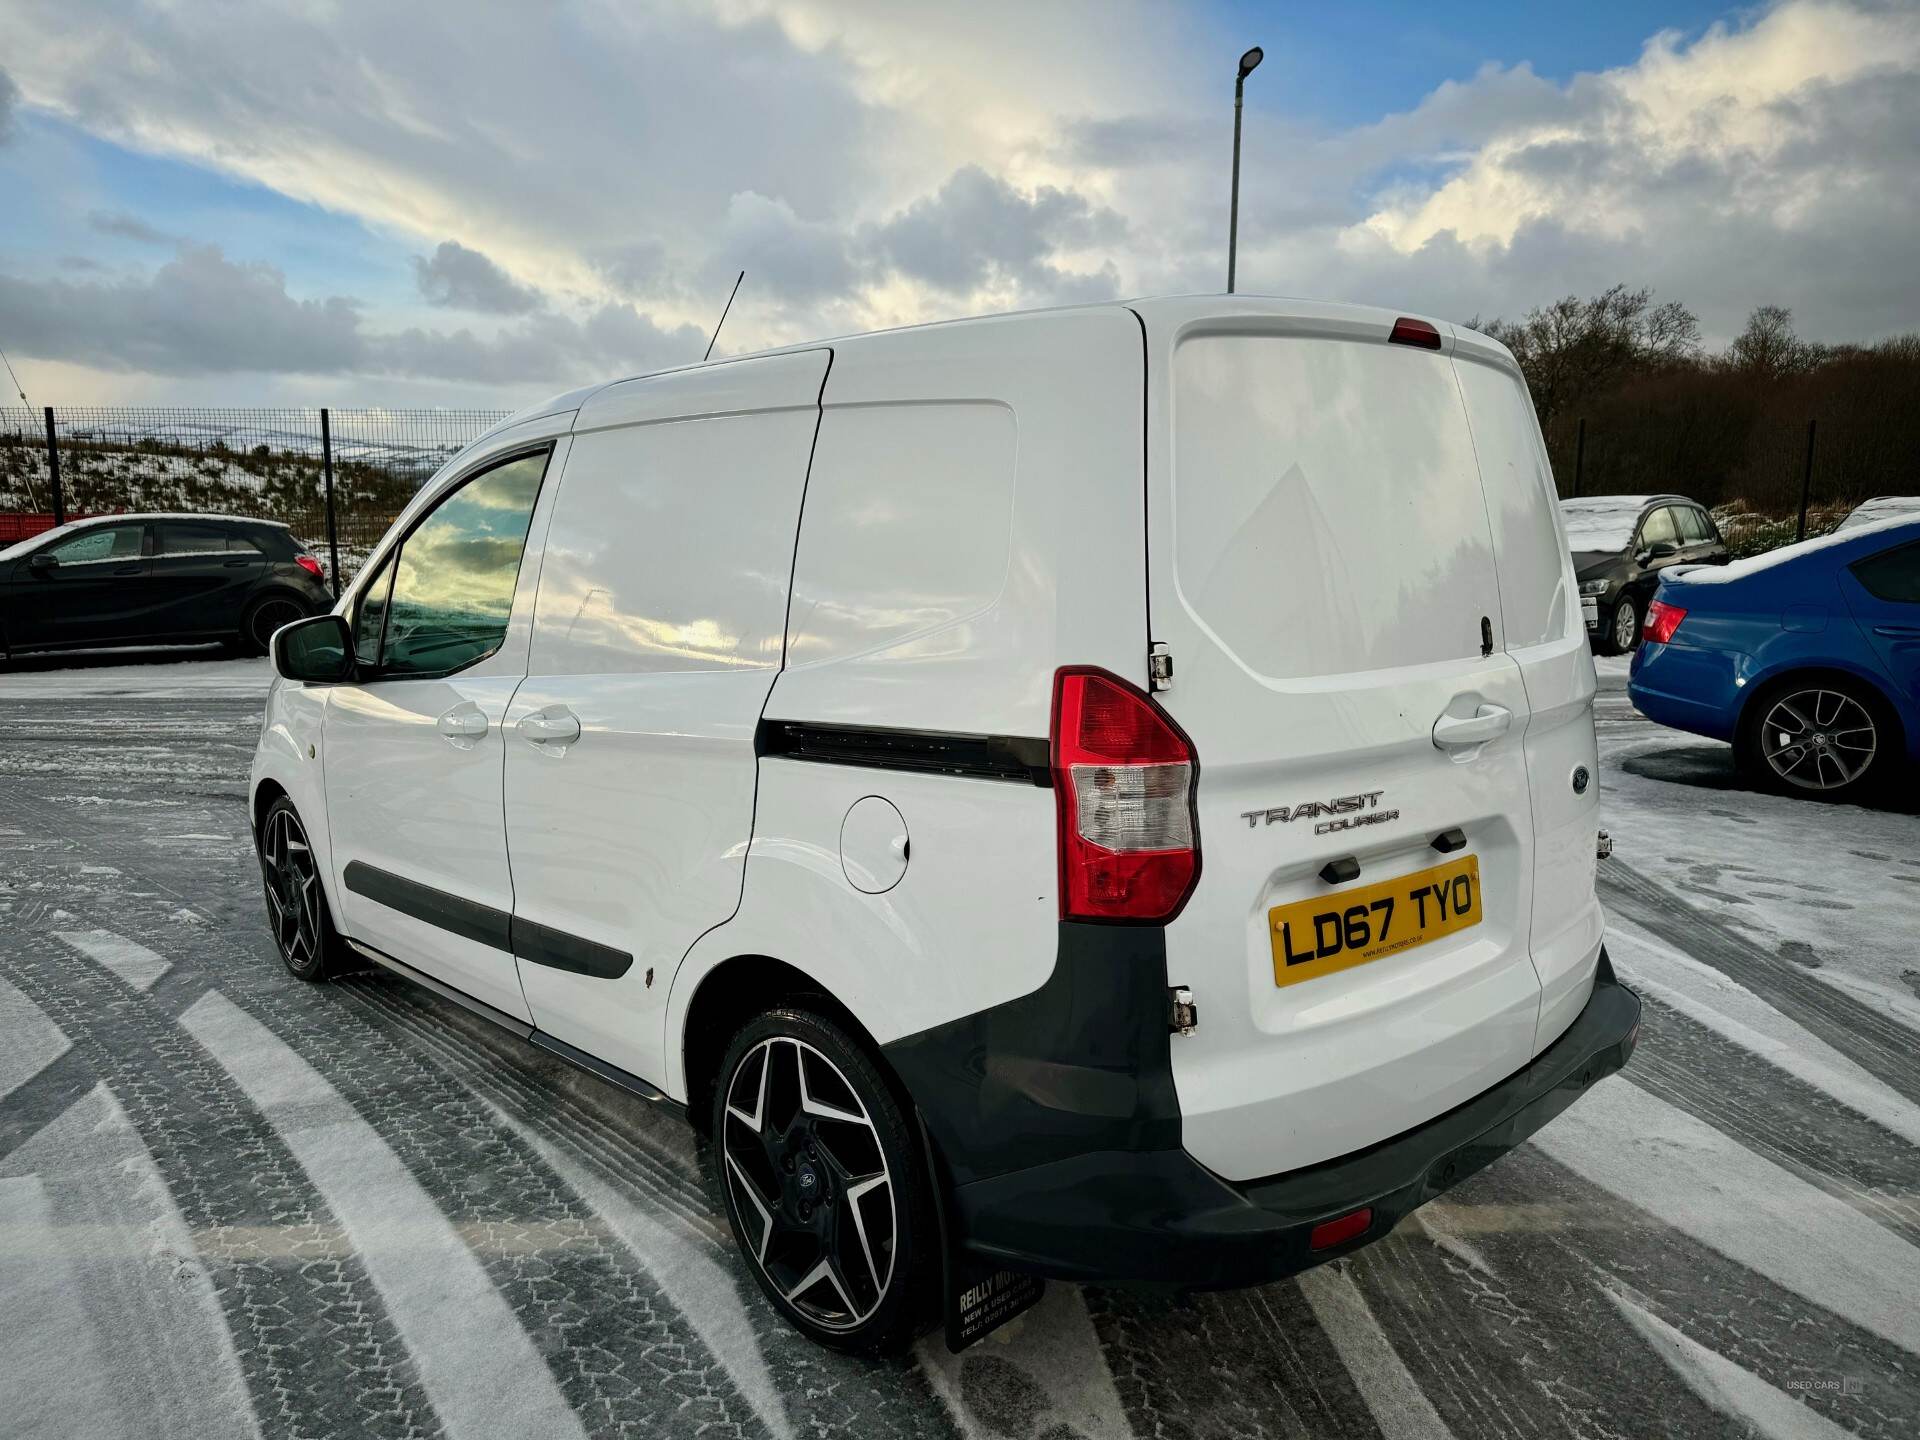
(1715, 123)
(609, 167)
(202, 313)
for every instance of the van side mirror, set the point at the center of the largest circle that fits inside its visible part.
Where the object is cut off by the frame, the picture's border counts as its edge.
(43, 562)
(1660, 550)
(317, 651)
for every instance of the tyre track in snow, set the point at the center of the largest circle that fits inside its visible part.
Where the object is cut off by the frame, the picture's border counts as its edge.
(653, 1157)
(1550, 1239)
(613, 1342)
(319, 1352)
(1778, 1117)
(131, 1302)
(1877, 1043)
(825, 1393)
(1239, 1363)
(1487, 1343)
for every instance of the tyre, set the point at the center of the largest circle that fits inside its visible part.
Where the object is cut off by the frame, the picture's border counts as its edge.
(1823, 736)
(265, 616)
(1621, 634)
(296, 900)
(825, 1187)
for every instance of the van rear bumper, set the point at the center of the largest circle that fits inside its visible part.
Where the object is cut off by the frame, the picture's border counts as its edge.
(1158, 1217)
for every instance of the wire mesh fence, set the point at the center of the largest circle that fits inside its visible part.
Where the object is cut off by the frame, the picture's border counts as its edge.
(1768, 479)
(270, 464)
(1755, 470)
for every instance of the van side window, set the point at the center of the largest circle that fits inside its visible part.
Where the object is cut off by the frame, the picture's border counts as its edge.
(1659, 527)
(1694, 528)
(1892, 574)
(454, 577)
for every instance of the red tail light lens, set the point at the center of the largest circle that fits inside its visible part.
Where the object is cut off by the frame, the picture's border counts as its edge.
(1123, 782)
(1662, 620)
(1414, 332)
(310, 565)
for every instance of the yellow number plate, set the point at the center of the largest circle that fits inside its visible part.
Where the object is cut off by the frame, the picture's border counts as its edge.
(1336, 932)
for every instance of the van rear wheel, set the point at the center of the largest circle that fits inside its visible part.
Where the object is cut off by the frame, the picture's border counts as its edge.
(825, 1187)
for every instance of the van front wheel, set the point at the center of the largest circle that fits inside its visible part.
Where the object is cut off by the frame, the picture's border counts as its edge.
(824, 1184)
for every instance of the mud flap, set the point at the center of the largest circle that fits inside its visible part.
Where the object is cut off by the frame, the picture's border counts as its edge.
(975, 1298)
(981, 1299)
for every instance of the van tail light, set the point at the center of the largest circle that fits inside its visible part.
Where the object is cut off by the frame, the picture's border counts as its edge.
(1123, 777)
(1414, 332)
(1662, 620)
(310, 565)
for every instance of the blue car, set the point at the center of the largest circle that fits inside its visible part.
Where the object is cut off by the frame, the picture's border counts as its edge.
(1807, 659)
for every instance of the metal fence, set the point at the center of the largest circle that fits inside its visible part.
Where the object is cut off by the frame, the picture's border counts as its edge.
(1769, 480)
(337, 477)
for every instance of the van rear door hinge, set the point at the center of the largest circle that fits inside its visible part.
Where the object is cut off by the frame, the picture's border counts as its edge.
(1159, 666)
(1183, 1016)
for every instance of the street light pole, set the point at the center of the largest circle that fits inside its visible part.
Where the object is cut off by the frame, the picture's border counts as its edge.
(1248, 63)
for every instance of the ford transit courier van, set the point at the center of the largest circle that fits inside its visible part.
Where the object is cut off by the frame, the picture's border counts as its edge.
(1105, 793)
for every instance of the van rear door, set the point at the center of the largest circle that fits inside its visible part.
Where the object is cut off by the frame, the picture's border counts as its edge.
(1321, 569)
(1546, 637)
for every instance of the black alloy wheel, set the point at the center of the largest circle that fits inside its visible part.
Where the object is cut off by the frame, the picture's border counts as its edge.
(267, 616)
(824, 1184)
(296, 903)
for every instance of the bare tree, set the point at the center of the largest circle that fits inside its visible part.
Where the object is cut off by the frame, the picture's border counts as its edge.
(1576, 348)
(1769, 348)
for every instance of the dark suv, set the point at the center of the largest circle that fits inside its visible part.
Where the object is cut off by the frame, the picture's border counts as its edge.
(156, 579)
(1620, 544)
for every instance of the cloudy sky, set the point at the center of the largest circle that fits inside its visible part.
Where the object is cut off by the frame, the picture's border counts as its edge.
(334, 202)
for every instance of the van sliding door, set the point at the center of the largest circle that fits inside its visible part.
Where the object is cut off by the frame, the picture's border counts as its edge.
(657, 635)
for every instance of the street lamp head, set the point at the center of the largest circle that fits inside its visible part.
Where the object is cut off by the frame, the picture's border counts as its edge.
(1250, 61)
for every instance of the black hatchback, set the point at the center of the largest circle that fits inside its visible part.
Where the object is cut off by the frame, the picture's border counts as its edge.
(1620, 544)
(156, 580)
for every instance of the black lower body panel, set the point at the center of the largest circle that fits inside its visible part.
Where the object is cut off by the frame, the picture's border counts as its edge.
(1071, 1166)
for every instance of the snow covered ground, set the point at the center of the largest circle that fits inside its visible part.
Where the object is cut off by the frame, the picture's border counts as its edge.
(232, 1205)
(178, 674)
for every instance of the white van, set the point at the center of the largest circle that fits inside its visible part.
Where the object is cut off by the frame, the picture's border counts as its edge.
(1104, 793)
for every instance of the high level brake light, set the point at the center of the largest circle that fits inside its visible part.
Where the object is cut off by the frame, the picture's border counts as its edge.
(1414, 332)
(1662, 620)
(1123, 782)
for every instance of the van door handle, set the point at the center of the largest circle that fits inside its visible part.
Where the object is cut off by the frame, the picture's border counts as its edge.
(1458, 732)
(558, 726)
(464, 722)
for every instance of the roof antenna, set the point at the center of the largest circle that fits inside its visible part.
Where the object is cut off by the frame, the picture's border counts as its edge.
(723, 317)
(16, 379)
(33, 496)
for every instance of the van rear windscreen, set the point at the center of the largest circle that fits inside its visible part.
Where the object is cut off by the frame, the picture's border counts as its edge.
(1327, 509)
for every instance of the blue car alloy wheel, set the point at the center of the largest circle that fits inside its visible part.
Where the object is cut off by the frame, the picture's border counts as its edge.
(1820, 738)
